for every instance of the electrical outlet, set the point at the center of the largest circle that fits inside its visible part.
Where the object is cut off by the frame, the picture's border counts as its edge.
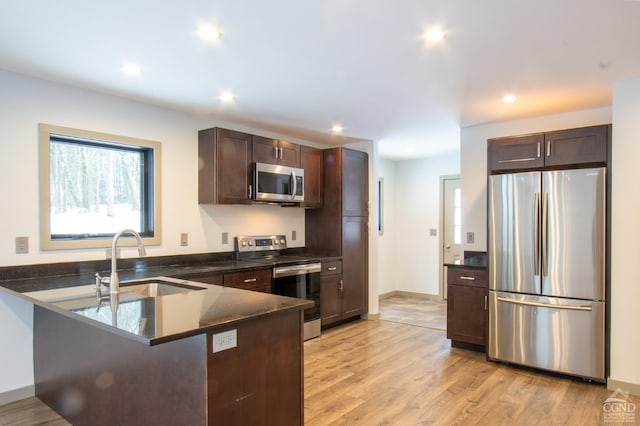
(433, 232)
(184, 239)
(225, 238)
(225, 340)
(470, 237)
(294, 235)
(22, 245)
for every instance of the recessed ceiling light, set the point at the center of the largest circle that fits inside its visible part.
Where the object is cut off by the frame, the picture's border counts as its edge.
(433, 35)
(226, 96)
(337, 128)
(509, 99)
(131, 68)
(208, 33)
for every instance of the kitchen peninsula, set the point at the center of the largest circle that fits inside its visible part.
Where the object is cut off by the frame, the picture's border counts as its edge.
(199, 354)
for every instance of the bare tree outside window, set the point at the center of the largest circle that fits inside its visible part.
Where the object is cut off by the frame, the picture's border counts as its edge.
(94, 189)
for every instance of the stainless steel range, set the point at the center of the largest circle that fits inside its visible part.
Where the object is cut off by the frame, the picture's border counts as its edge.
(293, 275)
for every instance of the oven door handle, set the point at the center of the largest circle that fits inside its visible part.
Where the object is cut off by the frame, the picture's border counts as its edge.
(287, 271)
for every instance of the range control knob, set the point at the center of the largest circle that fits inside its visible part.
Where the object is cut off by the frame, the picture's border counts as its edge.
(250, 243)
(275, 242)
(282, 241)
(244, 243)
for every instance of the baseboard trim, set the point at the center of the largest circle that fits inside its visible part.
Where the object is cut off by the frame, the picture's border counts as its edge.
(425, 296)
(370, 316)
(17, 394)
(632, 388)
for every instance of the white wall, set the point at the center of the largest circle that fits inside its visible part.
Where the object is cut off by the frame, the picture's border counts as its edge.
(473, 161)
(625, 251)
(415, 263)
(28, 101)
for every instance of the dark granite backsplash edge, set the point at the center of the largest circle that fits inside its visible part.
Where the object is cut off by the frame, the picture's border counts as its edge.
(12, 273)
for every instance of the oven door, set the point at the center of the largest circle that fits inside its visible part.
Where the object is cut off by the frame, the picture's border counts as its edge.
(278, 183)
(302, 282)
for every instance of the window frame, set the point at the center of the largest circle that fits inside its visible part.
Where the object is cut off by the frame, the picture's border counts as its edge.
(46, 133)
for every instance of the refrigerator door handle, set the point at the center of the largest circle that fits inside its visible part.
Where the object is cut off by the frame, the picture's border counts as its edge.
(545, 305)
(536, 235)
(545, 231)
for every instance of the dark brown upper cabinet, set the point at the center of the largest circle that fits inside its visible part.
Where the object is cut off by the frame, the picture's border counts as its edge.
(224, 166)
(273, 151)
(585, 145)
(567, 148)
(311, 162)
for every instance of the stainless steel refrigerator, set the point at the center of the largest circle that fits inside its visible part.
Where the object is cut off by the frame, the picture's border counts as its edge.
(547, 270)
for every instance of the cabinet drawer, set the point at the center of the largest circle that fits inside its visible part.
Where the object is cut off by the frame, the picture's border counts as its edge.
(470, 277)
(259, 280)
(331, 268)
(209, 279)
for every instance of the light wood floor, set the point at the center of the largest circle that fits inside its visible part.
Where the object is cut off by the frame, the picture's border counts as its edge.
(414, 311)
(390, 372)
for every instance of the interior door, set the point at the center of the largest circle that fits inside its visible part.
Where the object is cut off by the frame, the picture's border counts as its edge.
(573, 227)
(451, 220)
(514, 243)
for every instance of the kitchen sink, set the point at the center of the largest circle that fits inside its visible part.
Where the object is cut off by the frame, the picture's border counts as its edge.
(78, 296)
(157, 288)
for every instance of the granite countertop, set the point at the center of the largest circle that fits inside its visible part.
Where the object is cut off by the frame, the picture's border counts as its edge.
(472, 260)
(85, 276)
(149, 320)
(161, 319)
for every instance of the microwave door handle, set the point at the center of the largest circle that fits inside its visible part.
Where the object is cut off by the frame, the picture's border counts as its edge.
(295, 184)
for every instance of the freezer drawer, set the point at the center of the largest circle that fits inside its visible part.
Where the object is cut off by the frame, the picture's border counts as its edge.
(562, 335)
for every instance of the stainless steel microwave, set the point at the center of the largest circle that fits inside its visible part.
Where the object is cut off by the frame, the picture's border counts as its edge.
(278, 183)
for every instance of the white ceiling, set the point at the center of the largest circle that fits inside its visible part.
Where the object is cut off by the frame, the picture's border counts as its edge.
(299, 66)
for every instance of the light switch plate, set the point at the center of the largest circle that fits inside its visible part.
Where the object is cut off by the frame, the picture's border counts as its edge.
(184, 239)
(225, 238)
(470, 237)
(294, 235)
(22, 245)
(225, 340)
(433, 232)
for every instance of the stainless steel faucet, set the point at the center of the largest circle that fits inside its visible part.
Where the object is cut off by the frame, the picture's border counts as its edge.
(114, 281)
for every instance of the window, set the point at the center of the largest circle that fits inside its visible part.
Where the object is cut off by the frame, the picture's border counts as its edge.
(94, 184)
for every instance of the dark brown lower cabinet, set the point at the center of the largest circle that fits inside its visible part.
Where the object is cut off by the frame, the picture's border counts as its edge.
(331, 299)
(467, 294)
(260, 381)
(92, 376)
(254, 280)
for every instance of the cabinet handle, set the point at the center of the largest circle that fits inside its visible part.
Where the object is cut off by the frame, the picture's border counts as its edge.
(485, 303)
(332, 268)
(548, 148)
(275, 152)
(250, 280)
(250, 192)
(341, 285)
(467, 278)
(538, 149)
(281, 153)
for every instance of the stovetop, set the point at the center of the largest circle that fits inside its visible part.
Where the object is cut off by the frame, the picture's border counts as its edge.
(270, 250)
